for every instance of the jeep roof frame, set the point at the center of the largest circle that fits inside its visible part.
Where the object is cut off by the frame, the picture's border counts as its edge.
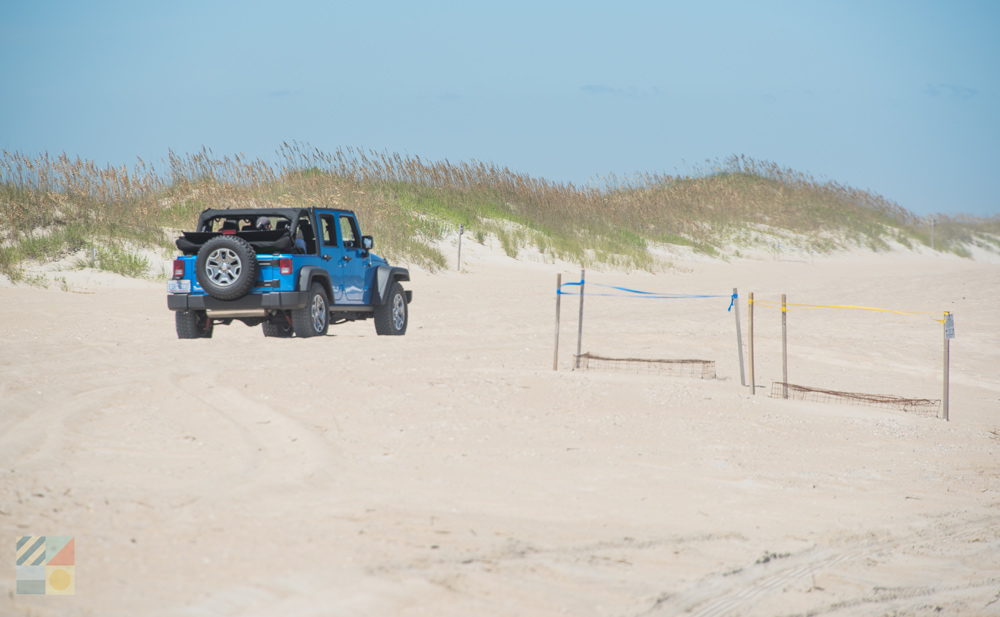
(292, 214)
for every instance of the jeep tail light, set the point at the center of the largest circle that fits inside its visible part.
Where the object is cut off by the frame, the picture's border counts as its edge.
(285, 265)
(178, 268)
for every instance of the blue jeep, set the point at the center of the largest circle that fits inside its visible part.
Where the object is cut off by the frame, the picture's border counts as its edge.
(290, 270)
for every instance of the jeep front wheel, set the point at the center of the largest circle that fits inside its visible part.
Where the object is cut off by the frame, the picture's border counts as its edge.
(392, 316)
(313, 319)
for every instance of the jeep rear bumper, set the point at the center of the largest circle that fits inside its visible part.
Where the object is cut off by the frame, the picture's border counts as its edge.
(277, 301)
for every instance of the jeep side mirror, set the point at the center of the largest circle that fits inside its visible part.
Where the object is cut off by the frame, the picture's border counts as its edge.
(367, 242)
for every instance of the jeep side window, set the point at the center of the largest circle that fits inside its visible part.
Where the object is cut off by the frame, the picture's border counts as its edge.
(305, 238)
(329, 232)
(349, 232)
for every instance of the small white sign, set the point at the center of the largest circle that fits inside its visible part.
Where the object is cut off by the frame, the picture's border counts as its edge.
(182, 286)
(949, 326)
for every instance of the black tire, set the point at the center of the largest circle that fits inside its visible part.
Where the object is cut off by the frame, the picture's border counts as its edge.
(279, 328)
(193, 324)
(393, 315)
(313, 319)
(226, 267)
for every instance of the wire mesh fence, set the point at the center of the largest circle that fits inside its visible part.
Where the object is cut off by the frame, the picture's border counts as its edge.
(804, 393)
(701, 369)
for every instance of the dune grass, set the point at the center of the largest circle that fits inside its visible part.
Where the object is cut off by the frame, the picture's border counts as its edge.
(52, 206)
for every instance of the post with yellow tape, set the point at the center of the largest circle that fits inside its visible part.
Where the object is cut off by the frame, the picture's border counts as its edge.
(784, 347)
(949, 333)
(753, 383)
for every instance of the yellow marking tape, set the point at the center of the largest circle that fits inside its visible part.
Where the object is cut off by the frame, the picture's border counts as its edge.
(852, 307)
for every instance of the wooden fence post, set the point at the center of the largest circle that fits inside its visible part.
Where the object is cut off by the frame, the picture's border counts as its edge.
(555, 354)
(739, 337)
(784, 347)
(579, 330)
(949, 333)
(461, 230)
(753, 382)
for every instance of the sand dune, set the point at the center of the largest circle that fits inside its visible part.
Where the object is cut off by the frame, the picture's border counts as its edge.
(453, 472)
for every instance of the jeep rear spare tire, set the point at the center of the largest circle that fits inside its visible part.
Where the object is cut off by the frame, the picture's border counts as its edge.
(226, 267)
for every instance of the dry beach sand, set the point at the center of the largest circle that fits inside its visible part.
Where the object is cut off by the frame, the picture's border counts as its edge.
(452, 472)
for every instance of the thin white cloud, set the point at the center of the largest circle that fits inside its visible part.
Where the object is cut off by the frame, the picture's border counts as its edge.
(630, 92)
(951, 90)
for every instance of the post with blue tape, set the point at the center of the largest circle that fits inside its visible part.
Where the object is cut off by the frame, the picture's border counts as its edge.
(579, 330)
(555, 354)
(949, 333)
(734, 304)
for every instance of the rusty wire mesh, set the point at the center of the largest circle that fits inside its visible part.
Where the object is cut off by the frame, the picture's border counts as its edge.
(805, 393)
(701, 369)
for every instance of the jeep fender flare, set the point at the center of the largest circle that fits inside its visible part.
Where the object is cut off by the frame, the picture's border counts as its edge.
(384, 277)
(309, 274)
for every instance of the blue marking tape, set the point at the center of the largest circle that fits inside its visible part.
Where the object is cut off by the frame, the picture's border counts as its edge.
(638, 293)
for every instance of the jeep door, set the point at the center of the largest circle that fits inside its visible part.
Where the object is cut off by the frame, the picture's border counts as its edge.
(333, 255)
(354, 259)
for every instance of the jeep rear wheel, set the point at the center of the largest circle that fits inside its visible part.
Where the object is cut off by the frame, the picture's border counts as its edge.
(313, 319)
(226, 267)
(393, 315)
(279, 328)
(192, 324)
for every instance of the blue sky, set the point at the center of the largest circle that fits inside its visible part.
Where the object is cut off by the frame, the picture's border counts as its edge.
(902, 98)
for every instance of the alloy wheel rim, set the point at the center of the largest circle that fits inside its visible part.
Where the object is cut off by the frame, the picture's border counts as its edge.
(318, 312)
(398, 311)
(223, 267)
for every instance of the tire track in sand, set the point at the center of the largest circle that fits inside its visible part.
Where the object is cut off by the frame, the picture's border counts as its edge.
(728, 594)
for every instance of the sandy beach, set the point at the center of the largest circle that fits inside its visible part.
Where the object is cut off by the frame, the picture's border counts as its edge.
(452, 472)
